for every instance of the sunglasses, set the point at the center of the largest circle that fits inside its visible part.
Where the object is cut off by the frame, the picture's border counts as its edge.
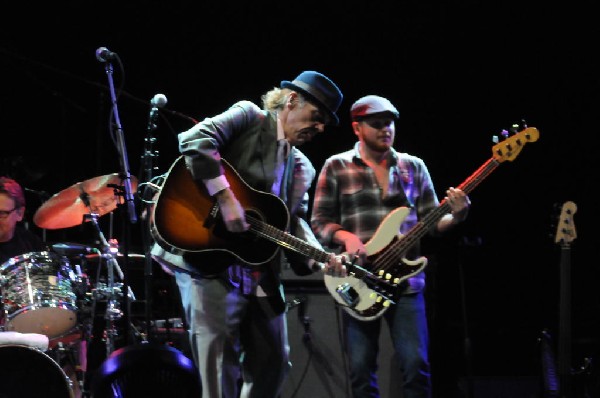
(378, 123)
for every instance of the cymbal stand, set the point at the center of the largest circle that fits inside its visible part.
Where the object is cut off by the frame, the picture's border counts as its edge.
(113, 312)
(109, 254)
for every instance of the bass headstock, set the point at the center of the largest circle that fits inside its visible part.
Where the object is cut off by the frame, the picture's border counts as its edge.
(565, 229)
(513, 140)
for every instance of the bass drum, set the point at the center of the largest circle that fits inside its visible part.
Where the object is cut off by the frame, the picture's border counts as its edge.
(28, 372)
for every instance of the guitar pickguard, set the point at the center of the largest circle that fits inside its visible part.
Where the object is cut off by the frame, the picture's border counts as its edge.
(365, 301)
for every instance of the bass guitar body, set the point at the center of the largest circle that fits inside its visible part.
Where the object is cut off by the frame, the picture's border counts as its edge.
(354, 294)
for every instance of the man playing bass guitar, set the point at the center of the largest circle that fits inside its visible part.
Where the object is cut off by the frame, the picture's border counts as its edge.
(356, 190)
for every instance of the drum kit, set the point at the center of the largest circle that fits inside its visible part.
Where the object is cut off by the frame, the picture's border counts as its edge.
(49, 293)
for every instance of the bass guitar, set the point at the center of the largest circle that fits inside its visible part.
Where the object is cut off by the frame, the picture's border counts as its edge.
(387, 249)
(558, 376)
(186, 221)
(565, 235)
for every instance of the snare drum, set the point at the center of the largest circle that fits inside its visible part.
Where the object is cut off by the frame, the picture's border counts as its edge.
(37, 294)
(28, 372)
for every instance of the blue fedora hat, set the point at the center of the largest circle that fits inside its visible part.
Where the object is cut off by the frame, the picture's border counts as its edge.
(319, 89)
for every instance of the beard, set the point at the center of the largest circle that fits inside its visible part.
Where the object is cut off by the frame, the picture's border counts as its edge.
(377, 145)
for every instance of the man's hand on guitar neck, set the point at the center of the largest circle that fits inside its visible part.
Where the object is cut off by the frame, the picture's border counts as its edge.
(335, 266)
(353, 246)
(459, 209)
(232, 212)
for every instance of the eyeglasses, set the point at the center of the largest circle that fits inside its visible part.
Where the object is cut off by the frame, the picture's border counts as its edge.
(6, 213)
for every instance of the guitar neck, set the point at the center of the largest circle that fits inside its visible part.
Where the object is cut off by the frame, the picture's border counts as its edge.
(423, 226)
(503, 151)
(565, 234)
(564, 342)
(291, 242)
(286, 240)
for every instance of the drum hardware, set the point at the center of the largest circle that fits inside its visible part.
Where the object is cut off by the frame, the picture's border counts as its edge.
(82, 202)
(113, 312)
(100, 307)
(71, 357)
(102, 292)
(171, 323)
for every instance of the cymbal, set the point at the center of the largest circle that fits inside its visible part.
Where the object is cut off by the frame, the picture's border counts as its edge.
(68, 207)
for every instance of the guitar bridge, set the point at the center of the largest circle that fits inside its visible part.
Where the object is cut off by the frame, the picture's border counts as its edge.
(348, 294)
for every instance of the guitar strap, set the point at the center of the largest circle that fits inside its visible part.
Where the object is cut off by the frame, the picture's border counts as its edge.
(280, 184)
(402, 177)
(287, 181)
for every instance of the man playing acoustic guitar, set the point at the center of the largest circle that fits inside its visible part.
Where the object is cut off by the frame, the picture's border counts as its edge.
(232, 296)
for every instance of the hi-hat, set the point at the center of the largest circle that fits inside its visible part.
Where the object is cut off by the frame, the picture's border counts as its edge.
(68, 207)
(133, 257)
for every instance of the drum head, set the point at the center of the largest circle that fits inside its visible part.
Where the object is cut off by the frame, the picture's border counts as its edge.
(50, 321)
(28, 373)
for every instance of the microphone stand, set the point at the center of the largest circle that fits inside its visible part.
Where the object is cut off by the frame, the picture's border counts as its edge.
(129, 201)
(148, 162)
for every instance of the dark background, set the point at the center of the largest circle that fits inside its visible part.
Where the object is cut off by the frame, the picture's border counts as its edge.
(459, 72)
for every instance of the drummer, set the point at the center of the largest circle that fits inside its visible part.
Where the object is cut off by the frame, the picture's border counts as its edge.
(15, 239)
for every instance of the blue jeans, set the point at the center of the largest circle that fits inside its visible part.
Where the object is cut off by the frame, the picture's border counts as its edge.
(407, 321)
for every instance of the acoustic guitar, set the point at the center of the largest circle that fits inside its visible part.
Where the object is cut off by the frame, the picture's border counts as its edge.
(186, 221)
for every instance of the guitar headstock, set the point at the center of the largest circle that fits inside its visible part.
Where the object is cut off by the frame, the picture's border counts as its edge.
(511, 145)
(565, 230)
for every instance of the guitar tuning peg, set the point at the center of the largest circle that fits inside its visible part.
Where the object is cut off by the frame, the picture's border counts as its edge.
(503, 134)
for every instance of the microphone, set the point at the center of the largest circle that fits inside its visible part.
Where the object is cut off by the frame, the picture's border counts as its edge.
(72, 248)
(158, 101)
(103, 54)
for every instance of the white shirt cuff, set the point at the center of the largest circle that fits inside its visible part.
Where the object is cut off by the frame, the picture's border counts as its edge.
(216, 184)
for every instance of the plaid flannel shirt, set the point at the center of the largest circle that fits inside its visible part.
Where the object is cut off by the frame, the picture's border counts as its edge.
(347, 196)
